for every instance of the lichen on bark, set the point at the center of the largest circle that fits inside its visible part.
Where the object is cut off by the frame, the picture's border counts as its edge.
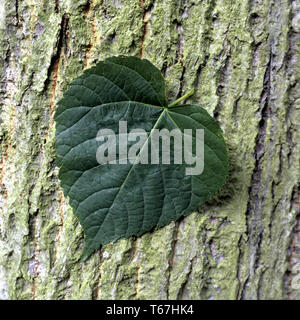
(242, 59)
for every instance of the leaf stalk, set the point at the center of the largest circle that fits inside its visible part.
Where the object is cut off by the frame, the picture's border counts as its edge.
(188, 94)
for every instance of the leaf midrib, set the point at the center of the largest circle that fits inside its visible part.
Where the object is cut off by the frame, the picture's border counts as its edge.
(150, 134)
(130, 170)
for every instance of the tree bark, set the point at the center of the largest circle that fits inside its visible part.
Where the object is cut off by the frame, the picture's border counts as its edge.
(243, 60)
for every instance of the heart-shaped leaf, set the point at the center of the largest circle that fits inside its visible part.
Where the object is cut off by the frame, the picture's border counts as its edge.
(129, 196)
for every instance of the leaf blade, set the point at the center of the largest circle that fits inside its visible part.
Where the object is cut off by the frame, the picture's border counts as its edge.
(114, 201)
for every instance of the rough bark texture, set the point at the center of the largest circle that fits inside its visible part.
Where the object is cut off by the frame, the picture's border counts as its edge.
(243, 59)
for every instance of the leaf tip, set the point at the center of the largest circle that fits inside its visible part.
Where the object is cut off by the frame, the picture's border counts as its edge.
(83, 258)
(87, 251)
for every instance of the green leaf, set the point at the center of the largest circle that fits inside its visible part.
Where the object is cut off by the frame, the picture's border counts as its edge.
(115, 201)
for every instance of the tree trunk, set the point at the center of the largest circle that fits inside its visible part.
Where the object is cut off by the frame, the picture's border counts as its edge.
(243, 59)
